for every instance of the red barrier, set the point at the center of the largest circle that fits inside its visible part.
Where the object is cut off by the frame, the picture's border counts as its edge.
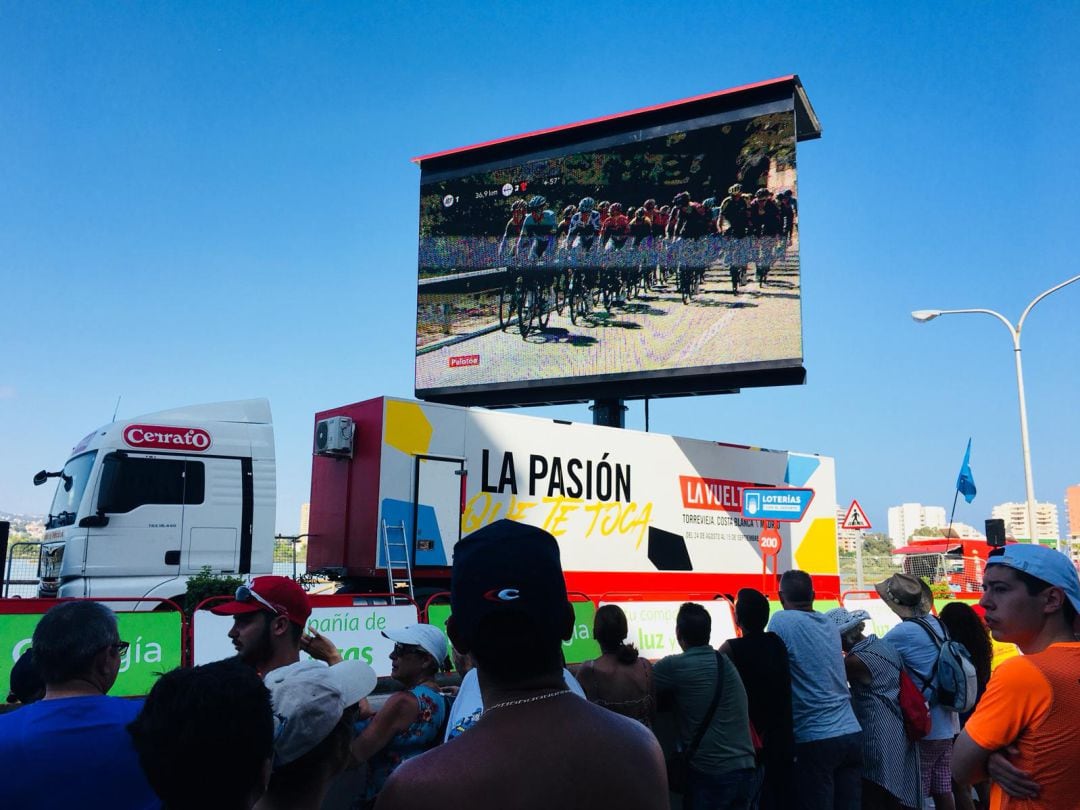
(428, 603)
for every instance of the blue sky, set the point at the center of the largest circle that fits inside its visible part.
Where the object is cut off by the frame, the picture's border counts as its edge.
(209, 201)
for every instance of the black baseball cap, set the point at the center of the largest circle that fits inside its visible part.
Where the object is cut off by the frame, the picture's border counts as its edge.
(508, 567)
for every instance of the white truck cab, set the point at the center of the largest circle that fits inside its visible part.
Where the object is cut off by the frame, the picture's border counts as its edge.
(145, 503)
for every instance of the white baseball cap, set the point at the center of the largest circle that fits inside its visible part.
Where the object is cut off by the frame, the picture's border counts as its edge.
(309, 699)
(430, 639)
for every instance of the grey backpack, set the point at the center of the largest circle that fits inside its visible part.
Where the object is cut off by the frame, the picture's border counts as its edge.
(953, 676)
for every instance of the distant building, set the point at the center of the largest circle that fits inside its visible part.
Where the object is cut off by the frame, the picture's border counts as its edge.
(966, 532)
(905, 519)
(305, 508)
(847, 540)
(1072, 520)
(1016, 520)
(35, 530)
(1072, 512)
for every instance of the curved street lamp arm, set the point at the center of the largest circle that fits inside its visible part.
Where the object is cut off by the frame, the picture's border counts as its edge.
(1040, 297)
(1015, 332)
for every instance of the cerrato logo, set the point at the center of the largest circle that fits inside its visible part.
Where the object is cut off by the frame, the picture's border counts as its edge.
(162, 437)
(502, 594)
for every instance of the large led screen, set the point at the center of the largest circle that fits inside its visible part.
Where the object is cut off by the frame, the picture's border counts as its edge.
(667, 253)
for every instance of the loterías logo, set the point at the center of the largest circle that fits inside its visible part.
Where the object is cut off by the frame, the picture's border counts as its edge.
(162, 437)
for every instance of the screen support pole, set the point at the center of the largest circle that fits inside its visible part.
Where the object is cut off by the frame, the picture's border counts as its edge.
(608, 412)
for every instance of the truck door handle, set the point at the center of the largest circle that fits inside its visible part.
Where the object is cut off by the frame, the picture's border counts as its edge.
(172, 557)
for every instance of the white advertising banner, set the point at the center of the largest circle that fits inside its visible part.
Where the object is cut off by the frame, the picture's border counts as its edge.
(355, 630)
(651, 625)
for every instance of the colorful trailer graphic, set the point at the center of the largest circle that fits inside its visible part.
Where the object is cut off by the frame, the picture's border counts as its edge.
(633, 512)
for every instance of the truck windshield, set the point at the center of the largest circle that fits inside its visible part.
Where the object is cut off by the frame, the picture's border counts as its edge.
(69, 490)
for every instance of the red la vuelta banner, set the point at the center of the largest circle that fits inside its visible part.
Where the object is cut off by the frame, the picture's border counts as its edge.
(715, 494)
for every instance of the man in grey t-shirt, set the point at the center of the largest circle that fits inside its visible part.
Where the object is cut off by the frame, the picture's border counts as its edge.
(828, 759)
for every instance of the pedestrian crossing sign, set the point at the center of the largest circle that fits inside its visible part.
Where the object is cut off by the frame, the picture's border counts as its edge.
(855, 518)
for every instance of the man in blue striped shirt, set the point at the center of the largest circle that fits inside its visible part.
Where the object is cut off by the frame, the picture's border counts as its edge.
(828, 757)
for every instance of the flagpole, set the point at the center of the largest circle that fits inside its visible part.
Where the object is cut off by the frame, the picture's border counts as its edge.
(948, 531)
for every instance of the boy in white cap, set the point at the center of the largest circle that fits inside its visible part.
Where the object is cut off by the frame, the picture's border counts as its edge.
(1031, 707)
(313, 720)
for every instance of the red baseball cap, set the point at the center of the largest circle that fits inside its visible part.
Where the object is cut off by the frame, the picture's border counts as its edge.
(272, 594)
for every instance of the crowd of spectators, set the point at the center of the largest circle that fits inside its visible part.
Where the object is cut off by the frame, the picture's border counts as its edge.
(802, 709)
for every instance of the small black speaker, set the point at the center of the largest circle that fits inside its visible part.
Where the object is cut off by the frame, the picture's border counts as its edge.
(995, 532)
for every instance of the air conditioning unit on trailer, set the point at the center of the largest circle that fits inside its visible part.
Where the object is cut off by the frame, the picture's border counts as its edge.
(334, 437)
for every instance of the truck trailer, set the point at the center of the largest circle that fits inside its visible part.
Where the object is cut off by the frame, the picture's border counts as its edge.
(395, 484)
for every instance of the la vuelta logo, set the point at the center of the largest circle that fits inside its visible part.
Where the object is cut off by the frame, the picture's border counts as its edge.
(711, 493)
(162, 437)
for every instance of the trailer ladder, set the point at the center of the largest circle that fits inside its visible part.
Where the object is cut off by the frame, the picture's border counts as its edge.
(399, 542)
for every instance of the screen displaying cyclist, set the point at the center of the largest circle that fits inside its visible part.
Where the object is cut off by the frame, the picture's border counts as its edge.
(512, 231)
(538, 229)
(584, 225)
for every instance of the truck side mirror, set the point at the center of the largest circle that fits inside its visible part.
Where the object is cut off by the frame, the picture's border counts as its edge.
(40, 478)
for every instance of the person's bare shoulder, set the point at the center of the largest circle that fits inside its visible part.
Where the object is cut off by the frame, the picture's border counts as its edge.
(560, 758)
(620, 754)
(416, 780)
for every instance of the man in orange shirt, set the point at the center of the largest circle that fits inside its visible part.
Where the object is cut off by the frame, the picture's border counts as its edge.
(1025, 731)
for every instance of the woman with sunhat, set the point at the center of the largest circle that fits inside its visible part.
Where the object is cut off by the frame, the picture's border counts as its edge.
(917, 639)
(890, 766)
(411, 721)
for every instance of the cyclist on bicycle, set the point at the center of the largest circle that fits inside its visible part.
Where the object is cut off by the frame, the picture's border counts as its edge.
(584, 225)
(714, 212)
(734, 225)
(766, 226)
(690, 223)
(657, 216)
(641, 228)
(614, 230)
(564, 222)
(787, 213)
(538, 229)
(512, 231)
(689, 220)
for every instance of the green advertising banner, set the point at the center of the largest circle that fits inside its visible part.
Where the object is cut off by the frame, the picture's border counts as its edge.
(580, 647)
(154, 640)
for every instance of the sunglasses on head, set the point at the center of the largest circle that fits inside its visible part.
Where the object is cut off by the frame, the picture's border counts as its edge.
(245, 593)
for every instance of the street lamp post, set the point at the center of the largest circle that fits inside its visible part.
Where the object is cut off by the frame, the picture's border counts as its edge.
(924, 315)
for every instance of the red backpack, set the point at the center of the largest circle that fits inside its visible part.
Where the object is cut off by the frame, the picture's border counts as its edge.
(913, 706)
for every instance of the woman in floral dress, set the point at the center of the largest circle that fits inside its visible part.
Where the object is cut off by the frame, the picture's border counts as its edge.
(411, 721)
